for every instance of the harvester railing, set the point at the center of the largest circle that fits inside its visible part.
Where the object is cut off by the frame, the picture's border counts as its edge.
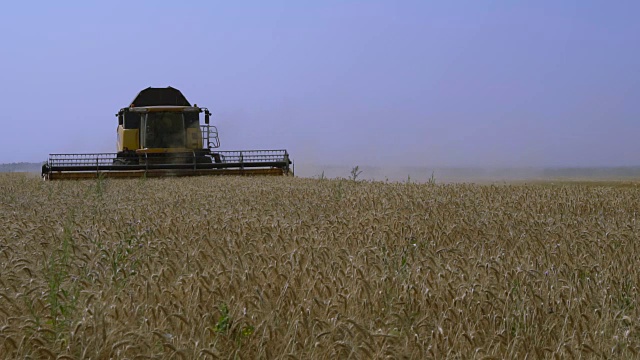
(95, 160)
(250, 156)
(210, 137)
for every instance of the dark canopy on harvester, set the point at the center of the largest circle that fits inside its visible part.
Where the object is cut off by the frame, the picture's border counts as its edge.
(160, 96)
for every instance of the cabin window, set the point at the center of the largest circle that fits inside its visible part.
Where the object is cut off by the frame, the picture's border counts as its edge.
(164, 129)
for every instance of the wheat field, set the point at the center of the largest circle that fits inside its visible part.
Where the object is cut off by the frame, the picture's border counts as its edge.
(279, 268)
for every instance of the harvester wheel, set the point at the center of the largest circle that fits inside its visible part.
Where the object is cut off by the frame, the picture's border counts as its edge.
(124, 161)
(203, 160)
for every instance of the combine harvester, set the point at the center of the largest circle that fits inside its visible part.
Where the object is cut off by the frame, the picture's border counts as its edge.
(160, 135)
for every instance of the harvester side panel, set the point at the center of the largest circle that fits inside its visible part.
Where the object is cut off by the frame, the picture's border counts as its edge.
(128, 139)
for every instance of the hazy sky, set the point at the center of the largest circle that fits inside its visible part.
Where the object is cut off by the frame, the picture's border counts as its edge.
(450, 83)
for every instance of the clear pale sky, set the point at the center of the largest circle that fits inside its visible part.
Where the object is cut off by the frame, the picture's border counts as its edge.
(449, 83)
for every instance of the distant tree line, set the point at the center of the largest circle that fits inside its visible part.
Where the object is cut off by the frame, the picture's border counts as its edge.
(21, 167)
(586, 172)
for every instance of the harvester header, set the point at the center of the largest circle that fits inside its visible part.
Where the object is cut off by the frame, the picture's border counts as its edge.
(160, 134)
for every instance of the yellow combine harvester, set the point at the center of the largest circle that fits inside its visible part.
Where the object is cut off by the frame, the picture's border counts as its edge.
(160, 135)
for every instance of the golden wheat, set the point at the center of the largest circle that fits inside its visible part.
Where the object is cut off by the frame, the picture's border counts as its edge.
(302, 268)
